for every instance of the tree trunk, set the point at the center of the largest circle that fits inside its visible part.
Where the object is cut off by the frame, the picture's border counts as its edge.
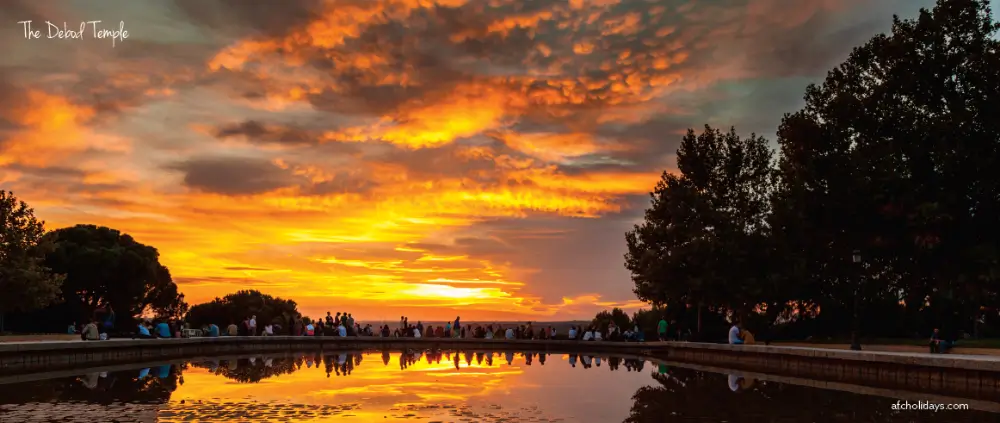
(699, 319)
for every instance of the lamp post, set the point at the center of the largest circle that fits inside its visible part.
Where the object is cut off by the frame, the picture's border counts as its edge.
(856, 321)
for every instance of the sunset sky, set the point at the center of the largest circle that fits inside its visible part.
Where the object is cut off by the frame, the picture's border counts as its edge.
(388, 157)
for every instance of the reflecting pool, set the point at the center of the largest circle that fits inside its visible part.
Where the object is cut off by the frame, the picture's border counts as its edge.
(439, 386)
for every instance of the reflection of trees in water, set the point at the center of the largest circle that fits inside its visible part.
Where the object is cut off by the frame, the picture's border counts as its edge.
(253, 370)
(683, 394)
(248, 370)
(148, 386)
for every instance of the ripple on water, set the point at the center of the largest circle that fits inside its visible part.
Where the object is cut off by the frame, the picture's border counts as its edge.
(254, 411)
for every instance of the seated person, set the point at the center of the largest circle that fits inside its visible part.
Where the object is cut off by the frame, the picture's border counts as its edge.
(747, 337)
(142, 332)
(163, 330)
(588, 335)
(939, 345)
(213, 330)
(734, 334)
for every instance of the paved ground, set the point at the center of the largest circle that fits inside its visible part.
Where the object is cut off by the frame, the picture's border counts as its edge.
(36, 338)
(979, 354)
(893, 348)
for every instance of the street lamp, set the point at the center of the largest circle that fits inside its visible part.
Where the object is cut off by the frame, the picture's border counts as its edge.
(856, 322)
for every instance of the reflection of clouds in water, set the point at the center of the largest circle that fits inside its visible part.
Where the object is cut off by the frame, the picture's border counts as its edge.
(431, 379)
(435, 385)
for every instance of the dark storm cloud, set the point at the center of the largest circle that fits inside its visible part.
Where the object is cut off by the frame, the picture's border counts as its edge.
(257, 132)
(246, 268)
(53, 172)
(234, 176)
(342, 183)
(243, 17)
(237, 176)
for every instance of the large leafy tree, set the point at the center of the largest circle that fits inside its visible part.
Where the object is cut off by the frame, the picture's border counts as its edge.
(106, 267)
(235, 307)
(895, 155)
(25, 282)
(616, 315)
(704, 239)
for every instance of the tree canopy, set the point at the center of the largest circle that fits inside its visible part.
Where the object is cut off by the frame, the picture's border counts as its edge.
(237, 306)
(616, 315)
(892, 159)
(106, 267)
(25, 282)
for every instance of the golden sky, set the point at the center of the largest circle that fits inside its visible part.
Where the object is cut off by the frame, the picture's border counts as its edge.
(388, 157)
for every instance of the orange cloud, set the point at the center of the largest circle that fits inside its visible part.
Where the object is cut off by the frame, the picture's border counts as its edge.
(361, 156)
(52, 129)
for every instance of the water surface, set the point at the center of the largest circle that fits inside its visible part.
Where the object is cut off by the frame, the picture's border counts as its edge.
(438, 386)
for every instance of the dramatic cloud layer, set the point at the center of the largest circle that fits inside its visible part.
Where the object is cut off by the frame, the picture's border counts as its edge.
(396, 156)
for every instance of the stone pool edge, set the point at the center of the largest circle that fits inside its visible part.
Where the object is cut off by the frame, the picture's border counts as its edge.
(968, 374)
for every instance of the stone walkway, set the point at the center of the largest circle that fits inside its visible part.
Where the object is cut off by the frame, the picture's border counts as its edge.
(893, 348)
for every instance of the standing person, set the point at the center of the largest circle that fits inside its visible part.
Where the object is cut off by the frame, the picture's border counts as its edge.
(447, 330)
(661, 329)
(253, 325)
(350, 320)
(109, 319)
(402, 322)
(458, 324)
(329, 319)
